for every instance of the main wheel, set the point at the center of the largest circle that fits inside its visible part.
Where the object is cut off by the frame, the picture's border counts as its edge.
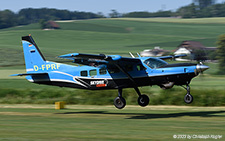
(188, 98)
(143, 100)
(119, 102)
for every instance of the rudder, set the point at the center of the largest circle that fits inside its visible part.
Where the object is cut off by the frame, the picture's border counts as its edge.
(32, 54)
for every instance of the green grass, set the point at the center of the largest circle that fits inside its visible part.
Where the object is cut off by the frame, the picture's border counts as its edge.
(206, 92)
(35, 122)
(108, 36)
(87, 26)
(216, 20)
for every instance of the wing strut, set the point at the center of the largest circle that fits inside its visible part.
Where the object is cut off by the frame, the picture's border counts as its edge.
(143, 100)
(129, 76)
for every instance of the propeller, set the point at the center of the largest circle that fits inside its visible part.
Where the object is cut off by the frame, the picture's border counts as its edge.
(201, 68)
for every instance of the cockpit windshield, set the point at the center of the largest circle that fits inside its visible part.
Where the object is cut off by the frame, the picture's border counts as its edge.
(155, 63)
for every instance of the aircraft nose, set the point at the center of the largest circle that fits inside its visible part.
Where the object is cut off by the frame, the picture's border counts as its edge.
(200, 68)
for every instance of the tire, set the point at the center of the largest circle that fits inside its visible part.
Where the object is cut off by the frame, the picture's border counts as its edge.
(188, 98)
(119, 102)
(143, 100)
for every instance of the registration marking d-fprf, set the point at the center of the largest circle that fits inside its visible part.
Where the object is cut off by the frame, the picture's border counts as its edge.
(47, 67)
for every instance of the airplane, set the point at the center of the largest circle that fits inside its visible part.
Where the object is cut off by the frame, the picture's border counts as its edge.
(100, 72)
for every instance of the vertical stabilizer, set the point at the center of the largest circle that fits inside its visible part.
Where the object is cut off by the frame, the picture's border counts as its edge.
(32, 54)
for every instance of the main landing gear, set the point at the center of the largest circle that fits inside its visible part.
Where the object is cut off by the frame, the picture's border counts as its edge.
(120, 102)
(188, 98)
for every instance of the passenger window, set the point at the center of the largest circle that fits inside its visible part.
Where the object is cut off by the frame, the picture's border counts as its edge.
(140, 67)
(84, 73)
(102, 71)
(128, 67)
(113, 70)
(93, 72)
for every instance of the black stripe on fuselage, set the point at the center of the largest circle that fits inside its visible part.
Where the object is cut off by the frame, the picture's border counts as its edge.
(98, 83)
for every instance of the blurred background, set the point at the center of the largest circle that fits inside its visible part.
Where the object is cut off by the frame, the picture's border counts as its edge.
(147, 27)
(151, 28)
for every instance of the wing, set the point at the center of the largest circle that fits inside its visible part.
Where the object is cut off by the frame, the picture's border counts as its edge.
(82, 56)
(113, 63)
(87, 59)
(172, 56)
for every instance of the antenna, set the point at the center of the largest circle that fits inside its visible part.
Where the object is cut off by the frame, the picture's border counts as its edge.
(131, 55)
(138, 55)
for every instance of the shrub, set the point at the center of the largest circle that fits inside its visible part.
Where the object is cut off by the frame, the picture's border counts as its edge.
(172, 96)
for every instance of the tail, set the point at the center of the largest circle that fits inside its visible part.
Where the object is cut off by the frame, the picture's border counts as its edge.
(36, 66)
(32, 54)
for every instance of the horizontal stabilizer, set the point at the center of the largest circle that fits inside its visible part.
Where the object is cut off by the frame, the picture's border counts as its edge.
(172, 56)
(26, 74)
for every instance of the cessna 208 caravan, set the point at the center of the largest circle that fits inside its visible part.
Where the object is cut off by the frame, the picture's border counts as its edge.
(99, 72)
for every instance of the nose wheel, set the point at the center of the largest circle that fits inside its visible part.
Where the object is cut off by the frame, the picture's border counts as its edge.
(188, 98)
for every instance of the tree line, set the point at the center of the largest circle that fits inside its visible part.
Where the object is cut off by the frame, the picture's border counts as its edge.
(193, 10)
(197, 9)
(30, 15)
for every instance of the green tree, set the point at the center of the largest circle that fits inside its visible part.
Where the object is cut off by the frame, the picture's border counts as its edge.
(221, 53)
(114, 14)
(42, 23)
(204, 3)
(200, 55)
(189, 11)
(7, 19)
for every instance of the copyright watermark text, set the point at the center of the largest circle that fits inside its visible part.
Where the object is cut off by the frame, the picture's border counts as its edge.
(194, 136)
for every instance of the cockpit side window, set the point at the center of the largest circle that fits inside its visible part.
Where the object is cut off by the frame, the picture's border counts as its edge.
(155, 63)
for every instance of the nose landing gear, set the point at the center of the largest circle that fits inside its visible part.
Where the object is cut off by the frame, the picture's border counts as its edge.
(188, 98)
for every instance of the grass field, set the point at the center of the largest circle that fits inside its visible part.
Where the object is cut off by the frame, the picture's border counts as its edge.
(42, 122)
(215, 20)
(109, 36)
